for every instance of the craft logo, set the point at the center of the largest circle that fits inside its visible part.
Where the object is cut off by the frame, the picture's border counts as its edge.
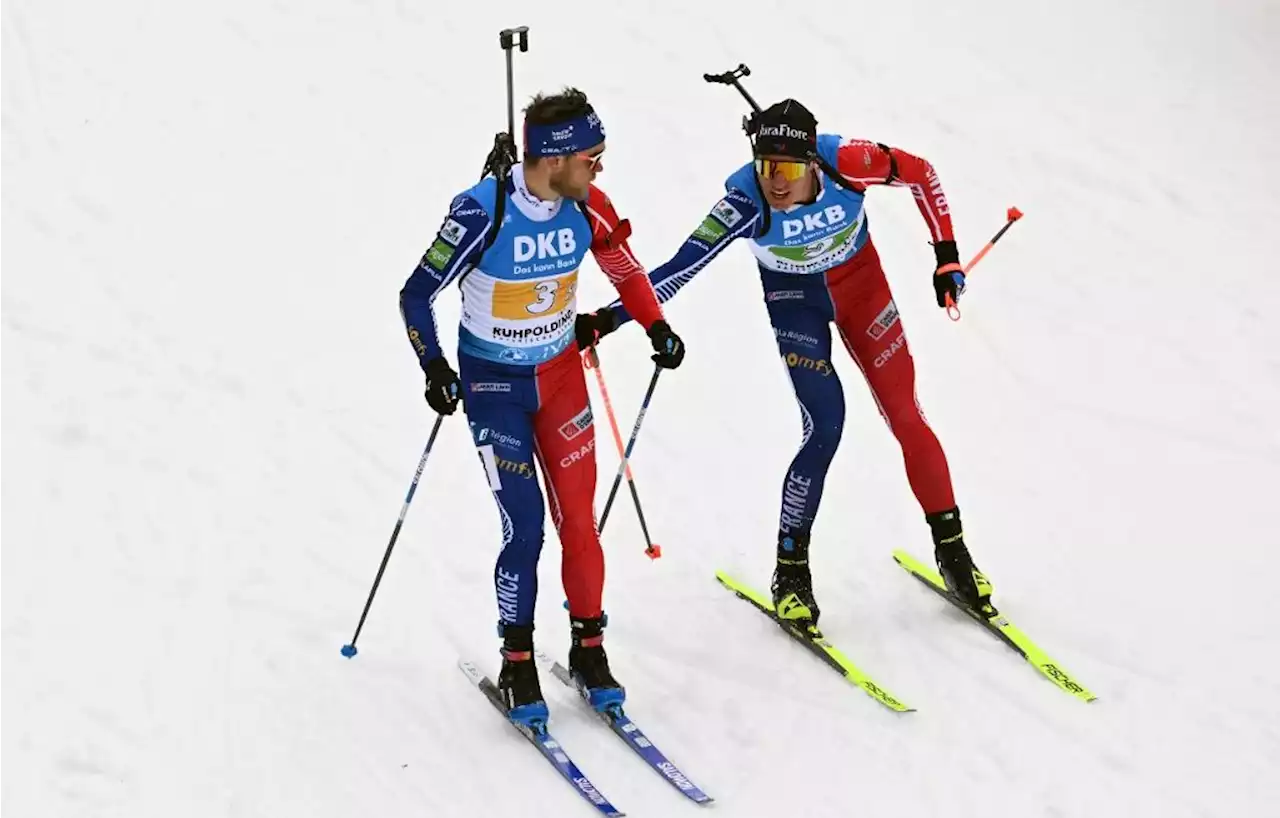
(582, 452)
(897, 344)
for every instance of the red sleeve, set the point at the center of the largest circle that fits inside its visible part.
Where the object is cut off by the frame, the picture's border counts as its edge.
(870, 163)
(609, 245)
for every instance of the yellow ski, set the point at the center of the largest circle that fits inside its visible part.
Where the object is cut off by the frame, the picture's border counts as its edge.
(816, 643)
(998, 624)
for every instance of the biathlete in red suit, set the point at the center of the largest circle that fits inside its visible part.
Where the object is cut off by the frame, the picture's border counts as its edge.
(800, 207)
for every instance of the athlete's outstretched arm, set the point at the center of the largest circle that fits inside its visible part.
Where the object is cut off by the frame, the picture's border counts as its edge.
(866, 163)
(613, 254)
(733, 216)
(458, 245)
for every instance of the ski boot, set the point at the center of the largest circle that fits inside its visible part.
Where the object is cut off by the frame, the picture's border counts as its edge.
(792, 586)
(955, 565)
(518, 679)
(589, 666)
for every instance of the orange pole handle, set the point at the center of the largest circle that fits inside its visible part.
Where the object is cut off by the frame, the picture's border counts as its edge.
(1013, 214)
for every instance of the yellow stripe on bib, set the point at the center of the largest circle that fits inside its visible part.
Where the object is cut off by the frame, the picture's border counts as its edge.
(523, 300)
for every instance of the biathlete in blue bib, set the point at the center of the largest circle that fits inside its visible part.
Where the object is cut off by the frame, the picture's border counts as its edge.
(520, 378)
(800, 207)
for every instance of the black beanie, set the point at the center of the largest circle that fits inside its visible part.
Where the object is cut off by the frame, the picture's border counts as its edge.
(786, 128)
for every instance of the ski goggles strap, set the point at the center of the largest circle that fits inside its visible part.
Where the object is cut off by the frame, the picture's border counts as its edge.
(564, 138)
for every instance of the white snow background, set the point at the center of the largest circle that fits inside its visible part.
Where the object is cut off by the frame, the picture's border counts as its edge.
(211, 414)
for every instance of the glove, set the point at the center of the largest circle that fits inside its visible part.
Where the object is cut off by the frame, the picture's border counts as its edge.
(667, 344)
(948, 278)
(590, 327)
(443, 388)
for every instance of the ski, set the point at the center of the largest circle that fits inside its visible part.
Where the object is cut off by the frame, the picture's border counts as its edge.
(541, 738)
(998, 624)
(627, 730)
(818, 644)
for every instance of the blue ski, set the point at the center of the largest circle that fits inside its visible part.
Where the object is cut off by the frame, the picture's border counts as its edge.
(545, 742)
(630, 732)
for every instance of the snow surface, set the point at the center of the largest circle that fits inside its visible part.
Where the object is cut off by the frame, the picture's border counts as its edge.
(211, 414)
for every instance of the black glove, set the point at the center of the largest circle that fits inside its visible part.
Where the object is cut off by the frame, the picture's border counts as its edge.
(443, 388)
(948, 278)
(667, 344)
(590, 327)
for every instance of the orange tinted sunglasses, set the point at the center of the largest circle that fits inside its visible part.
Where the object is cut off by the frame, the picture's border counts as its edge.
(790, 170)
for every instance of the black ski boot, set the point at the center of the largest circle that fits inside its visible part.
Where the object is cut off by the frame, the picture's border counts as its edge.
(518, 679)
(589, 666)
(954, 563)
(792, 586)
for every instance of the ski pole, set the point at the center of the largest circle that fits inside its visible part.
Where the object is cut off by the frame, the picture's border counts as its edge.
(953, 311)
(626, 456)
(349, 650)
(591, 360)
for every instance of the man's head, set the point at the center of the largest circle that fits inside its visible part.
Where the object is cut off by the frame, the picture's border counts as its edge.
(786, 150)
(563, 141)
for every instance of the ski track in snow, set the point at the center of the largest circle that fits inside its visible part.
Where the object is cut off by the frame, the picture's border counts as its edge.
(211, 415)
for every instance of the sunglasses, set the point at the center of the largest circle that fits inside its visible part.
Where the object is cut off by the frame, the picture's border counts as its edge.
(790, 170)
(593, 159)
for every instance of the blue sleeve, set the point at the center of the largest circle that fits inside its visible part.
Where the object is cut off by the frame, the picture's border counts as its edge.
(734, 216)
(457, 247)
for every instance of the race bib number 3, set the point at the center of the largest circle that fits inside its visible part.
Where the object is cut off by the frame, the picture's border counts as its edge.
(522, 300)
